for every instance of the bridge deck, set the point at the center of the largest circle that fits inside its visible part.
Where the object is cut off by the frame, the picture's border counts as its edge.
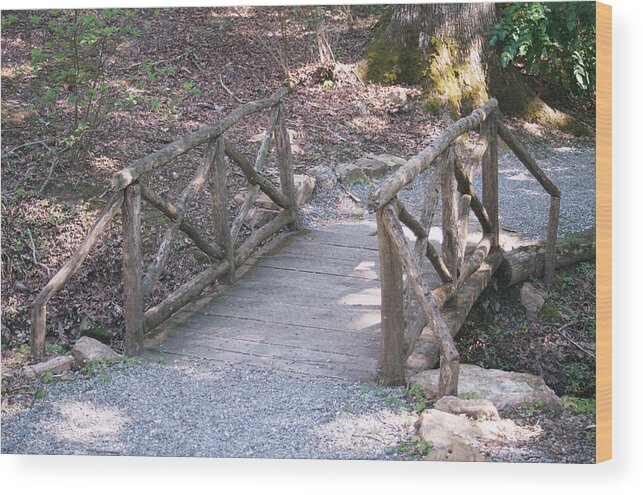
(310, 305)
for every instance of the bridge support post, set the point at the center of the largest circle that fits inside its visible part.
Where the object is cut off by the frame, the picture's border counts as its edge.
(392, 309)
(133, 271)
(490, 175)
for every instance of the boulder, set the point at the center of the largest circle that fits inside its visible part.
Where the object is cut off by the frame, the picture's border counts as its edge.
(532, 298)
(505, 389)
(372, 167)
(325, 177)
(458, 438)
(304, 187)
(87, 350)
(396, 100)
(393, 162)
(350, 172)
(55, 366)
(472, 408)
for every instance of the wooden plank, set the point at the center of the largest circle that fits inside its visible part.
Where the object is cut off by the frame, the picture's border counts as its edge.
(132, 271)
(291, 262)
(332, 317)
(323, 252)
(357, 344)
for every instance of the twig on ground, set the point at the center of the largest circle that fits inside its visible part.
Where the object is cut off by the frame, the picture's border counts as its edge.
(33, 254)
(228, 91)
(350, 194)
(54, 162)
(560, 331)
(33, 143)
(162, 61)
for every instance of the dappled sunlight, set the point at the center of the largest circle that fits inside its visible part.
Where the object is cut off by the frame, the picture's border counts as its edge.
(373, 432)
(366, 297)
(87, 423)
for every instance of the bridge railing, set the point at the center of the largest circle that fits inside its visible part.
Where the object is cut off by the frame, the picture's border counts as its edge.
(224, 248)
(449, 182)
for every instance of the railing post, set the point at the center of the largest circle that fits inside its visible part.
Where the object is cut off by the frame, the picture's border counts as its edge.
(450, 236)
(490, 175)
(284, 162)
(132, 271)
(392, 308)
(550, 246)
(218, 183)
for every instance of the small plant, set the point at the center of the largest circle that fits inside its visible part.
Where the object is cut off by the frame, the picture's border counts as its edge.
(39, 393)
(349, 408)
(415, 394)
(468, 395)
(9, 20)
(46, 377)
(532, 407)
(579, 405)
(56, 349)
(191, 89)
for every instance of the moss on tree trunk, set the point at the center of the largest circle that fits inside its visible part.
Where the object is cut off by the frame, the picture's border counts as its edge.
(445, 49)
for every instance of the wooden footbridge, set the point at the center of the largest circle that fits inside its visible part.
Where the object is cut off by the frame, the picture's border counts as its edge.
(371, 300)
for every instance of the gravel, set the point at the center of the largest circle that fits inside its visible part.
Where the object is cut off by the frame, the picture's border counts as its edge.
(198, 409)
(523, 203)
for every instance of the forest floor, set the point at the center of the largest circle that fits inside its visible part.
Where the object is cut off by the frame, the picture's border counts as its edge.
(187, 68)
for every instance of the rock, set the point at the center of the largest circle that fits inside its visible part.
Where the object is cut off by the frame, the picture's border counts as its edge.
(532, 298)
(393, 162)
(239, 199)
(459, 438)
(455, 451)
(21, 287)
(55, 366)
(5, 334)
(372, 167)
(472, 408)
(349, 173)
(87, 350)
(505, 389)
(258, 217)
(304, 187)
(324, 176)
(396, 100)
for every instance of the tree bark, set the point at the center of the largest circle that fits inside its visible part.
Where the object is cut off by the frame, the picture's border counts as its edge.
(445, 48)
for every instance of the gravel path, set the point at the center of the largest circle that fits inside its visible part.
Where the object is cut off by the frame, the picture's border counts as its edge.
(524, 205)
(198, 409)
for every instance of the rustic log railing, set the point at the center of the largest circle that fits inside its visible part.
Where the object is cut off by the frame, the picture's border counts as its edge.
(450, 180)
(224, 249)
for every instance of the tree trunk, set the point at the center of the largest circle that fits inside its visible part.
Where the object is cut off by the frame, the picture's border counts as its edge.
(445, 48)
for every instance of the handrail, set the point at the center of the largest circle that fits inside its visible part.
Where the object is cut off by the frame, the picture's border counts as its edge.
(224, 254)
(455, 267)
